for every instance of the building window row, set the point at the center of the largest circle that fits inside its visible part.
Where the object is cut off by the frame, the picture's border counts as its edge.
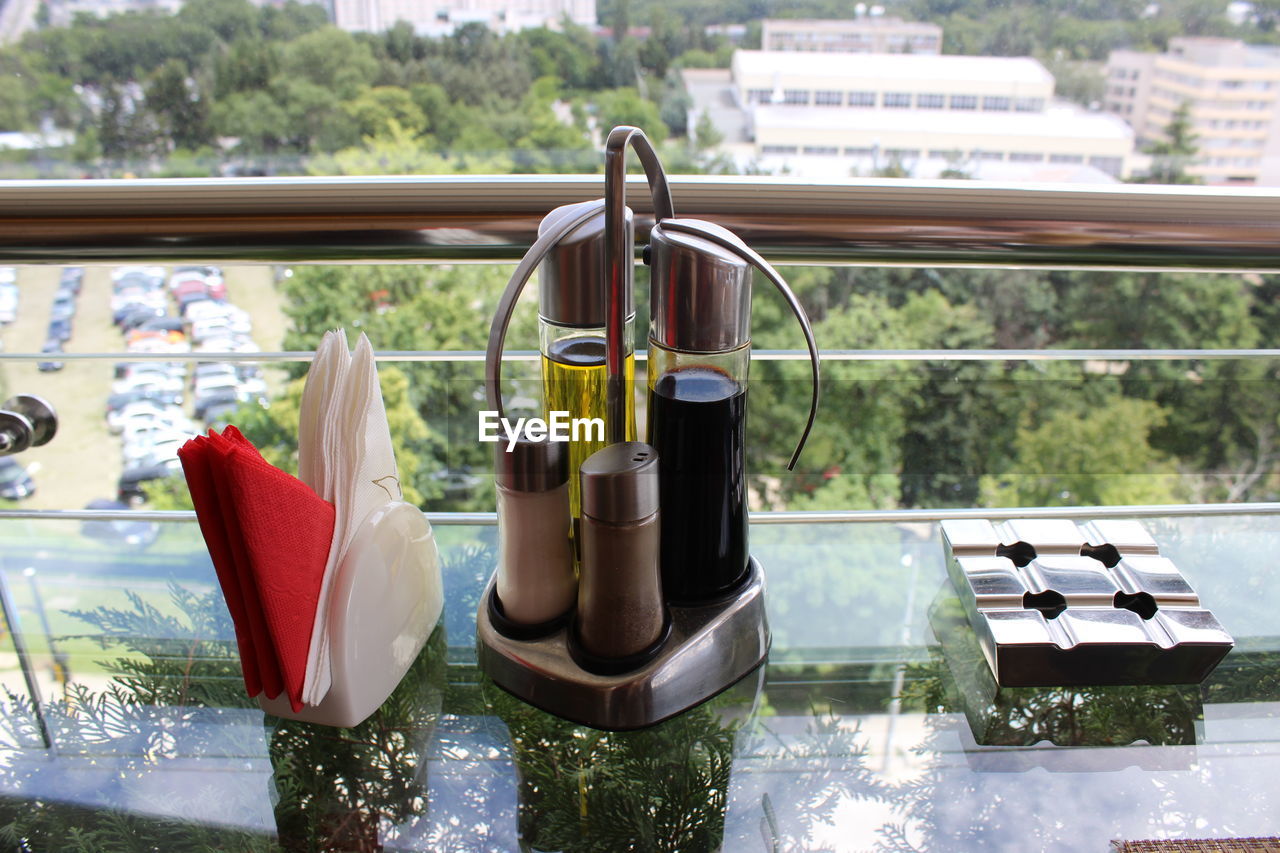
(1110, 165)
(896, 100)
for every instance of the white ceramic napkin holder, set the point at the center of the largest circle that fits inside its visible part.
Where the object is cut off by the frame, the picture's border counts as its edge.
(386, 600)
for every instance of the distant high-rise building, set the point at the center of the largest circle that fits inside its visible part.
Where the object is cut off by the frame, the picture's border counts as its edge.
(442, 17)
(858, 35)
(1232, 91)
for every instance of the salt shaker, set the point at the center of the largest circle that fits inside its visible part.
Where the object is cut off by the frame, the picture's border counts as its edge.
(621, 618)
(536, 582)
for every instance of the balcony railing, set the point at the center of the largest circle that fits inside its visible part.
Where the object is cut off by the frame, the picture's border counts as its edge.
(475, 218)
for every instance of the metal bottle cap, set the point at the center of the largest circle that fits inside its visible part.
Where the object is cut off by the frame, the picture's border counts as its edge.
(620, 482)
(570, 279)
(701, 293)
(531, 466)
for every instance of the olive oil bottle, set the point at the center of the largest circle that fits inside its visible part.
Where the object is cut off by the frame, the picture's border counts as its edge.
(573, 380)
(571, 319)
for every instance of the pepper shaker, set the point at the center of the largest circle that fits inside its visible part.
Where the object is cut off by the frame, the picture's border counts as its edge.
(621, 619)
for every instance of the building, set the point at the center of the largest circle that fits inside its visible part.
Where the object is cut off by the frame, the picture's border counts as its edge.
(858, 35)
(1233, 94)
(62, 12)
(442, 17)
(924, 114)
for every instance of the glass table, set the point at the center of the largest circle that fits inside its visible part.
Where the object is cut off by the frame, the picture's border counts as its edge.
(869, 728)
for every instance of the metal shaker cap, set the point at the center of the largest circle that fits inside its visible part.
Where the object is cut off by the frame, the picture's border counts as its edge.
(620, 482)
(531, 466)
(571, 276)
(700, 292)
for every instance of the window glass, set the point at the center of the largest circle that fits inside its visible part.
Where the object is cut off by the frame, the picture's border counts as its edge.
(897, 100)
(862, 99)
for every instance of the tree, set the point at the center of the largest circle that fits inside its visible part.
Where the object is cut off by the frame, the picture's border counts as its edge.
(626, 106)
(373, 110)
(332, 60)
(181, 111)
(1097, 456)
(706, 135)
(1171, 156)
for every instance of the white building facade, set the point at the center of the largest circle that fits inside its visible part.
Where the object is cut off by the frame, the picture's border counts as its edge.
(864, 112)
(1232, 91)
(443, 17)
(857, 35)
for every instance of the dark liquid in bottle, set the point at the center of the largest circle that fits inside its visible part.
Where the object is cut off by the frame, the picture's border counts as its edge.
(697, 418)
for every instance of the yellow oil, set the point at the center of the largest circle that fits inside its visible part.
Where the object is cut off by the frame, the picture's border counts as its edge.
(573, 381)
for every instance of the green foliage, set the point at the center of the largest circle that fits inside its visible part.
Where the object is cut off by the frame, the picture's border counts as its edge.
(1094, 457)
(1171, 156)
(626, 106)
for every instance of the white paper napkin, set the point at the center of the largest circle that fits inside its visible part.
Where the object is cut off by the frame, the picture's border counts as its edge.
(345, 455)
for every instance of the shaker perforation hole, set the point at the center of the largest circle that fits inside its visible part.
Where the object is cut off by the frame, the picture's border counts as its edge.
(1020, 552)
(1139, 602)
(1049, 603)
(1107, 554)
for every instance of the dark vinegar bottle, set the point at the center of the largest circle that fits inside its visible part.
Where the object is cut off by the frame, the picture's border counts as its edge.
(697, 422)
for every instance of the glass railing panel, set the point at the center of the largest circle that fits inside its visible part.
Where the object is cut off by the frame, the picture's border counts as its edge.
(857, 733)
(942, 387)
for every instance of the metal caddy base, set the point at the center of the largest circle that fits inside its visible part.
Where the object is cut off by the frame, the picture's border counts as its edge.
(709, 649)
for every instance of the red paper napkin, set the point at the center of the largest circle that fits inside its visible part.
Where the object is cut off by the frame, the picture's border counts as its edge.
(269, 536)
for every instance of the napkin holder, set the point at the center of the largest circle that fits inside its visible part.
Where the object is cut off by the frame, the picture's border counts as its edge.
(386, 599)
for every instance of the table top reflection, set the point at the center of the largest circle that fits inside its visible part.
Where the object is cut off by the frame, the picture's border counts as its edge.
(874, 724)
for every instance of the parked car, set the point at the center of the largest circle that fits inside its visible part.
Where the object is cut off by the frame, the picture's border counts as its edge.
(116, 402)
(129, 487)
(72, 279)
(64, 306)
(211, 275)
(53, 345)
(137, 534)
(137, 315)
(153, 276)
(228, 343)
(164, 324)
(135, 302)
(160, 447)
(144, 412)
(154, 380)
(226, 398)
(157, 342)
(60, 329)
(15, 481)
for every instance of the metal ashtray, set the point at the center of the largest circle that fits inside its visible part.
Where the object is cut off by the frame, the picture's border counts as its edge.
(1054, 603)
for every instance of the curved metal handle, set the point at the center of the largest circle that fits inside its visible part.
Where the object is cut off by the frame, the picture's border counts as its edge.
(618, 253)
(507, 304)
(726, 239)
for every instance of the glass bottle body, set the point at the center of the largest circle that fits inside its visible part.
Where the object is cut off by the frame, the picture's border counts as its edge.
(573, 381)
(697, 423)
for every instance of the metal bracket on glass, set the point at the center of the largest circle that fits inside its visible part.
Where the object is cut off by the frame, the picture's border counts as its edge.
(1054, 603)
(709, 649)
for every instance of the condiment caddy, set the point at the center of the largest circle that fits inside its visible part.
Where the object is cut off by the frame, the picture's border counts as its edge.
(669, 606)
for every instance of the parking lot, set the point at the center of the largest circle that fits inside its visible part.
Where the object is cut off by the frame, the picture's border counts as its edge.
(84, 462)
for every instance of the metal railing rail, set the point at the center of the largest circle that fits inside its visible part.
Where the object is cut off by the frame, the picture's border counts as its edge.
(853, 516)
(530, 356)
(494, 218)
